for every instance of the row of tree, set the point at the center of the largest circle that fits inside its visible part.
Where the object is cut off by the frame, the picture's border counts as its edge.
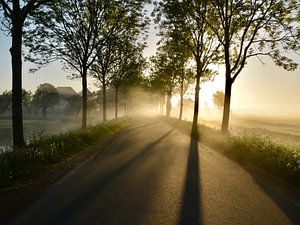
(100, 38)
(105, 40)
(197, 34)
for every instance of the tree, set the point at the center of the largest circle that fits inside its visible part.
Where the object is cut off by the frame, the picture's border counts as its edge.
(218, 99)
(164, 73)
(74, 31)
(15, 14)
(252, 29)
(75, 104)
(26, 99)
(5, 101)
(188, 19)
(128, 62)
(186, 78)
(45, 96)
(130, 28)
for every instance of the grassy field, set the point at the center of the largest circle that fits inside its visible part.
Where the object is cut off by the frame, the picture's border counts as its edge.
(279, 130)
(36, 128)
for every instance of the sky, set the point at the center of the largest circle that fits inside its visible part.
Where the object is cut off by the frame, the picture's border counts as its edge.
(259, 89)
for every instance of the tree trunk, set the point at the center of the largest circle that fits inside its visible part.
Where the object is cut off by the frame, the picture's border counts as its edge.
(84, 98)
(181, 100)
(228, 84)
(116, 103)
(226, 108)
(168, 105)
(104, 101)
(196, 104)
(16, 62)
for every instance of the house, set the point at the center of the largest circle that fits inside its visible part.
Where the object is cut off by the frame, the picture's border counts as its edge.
(65, 92)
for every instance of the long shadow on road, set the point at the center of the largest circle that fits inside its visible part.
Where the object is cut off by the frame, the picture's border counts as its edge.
(190, 211)
(65, 213)
(288, 207)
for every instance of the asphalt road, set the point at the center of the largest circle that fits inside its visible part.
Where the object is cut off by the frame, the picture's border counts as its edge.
(153, 174)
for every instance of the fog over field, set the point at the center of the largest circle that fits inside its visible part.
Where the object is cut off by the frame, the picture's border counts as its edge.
(279, 127)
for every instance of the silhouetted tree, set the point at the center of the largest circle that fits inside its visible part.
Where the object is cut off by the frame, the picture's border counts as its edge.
(129, 28)
(74, 31)
(186, 78)
(5, 101)
(252, 29)
(164, 73)
(128, 62)
(188, 19)
(15, 13)
(218, 99)
(75, 104)
(45, 97)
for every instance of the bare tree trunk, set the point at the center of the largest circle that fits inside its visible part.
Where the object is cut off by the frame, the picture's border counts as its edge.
(16, 61)
(116, 103)
(196, 104)
(84, 98)
(168, 105)
(181, 100)
(226, 108)
(228, 85)
(104, 101)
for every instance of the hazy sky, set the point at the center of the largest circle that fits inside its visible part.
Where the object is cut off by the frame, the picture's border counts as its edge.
(259, 88)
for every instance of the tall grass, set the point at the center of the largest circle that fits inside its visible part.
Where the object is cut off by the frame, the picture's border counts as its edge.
(44, 152)
(248, 146)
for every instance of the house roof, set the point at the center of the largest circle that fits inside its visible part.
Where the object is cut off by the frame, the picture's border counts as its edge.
(66, 91)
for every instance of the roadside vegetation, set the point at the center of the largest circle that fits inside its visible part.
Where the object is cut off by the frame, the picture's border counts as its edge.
(246, 146)
(43, 153)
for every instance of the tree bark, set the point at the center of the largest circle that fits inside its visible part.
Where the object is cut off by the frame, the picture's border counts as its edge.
(116, 103)
(84, 98)
(168, 105)
(226, 108)
(16, 62)
(196, 104)
(228, 85)
(104, 101)
(181, 100)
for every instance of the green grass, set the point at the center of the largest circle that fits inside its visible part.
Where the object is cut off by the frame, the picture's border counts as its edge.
(248, 146)
(44, 152)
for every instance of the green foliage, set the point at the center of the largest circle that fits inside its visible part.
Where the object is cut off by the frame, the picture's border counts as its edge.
(218, 99)
(45, 96)
(44, 152)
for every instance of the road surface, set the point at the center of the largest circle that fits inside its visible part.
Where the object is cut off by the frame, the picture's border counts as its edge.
(152, 174)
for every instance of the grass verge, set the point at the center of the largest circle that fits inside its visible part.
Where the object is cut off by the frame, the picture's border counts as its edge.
(279, 160)
(43, 153)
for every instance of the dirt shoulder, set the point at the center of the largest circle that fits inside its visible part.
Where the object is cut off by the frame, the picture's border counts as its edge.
(15, 200)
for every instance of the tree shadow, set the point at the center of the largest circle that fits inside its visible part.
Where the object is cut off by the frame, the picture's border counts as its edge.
(190, 211)
(290, 208)
(64, 213)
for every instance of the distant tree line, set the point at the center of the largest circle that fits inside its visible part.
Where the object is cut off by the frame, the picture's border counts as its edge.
(49, 100)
